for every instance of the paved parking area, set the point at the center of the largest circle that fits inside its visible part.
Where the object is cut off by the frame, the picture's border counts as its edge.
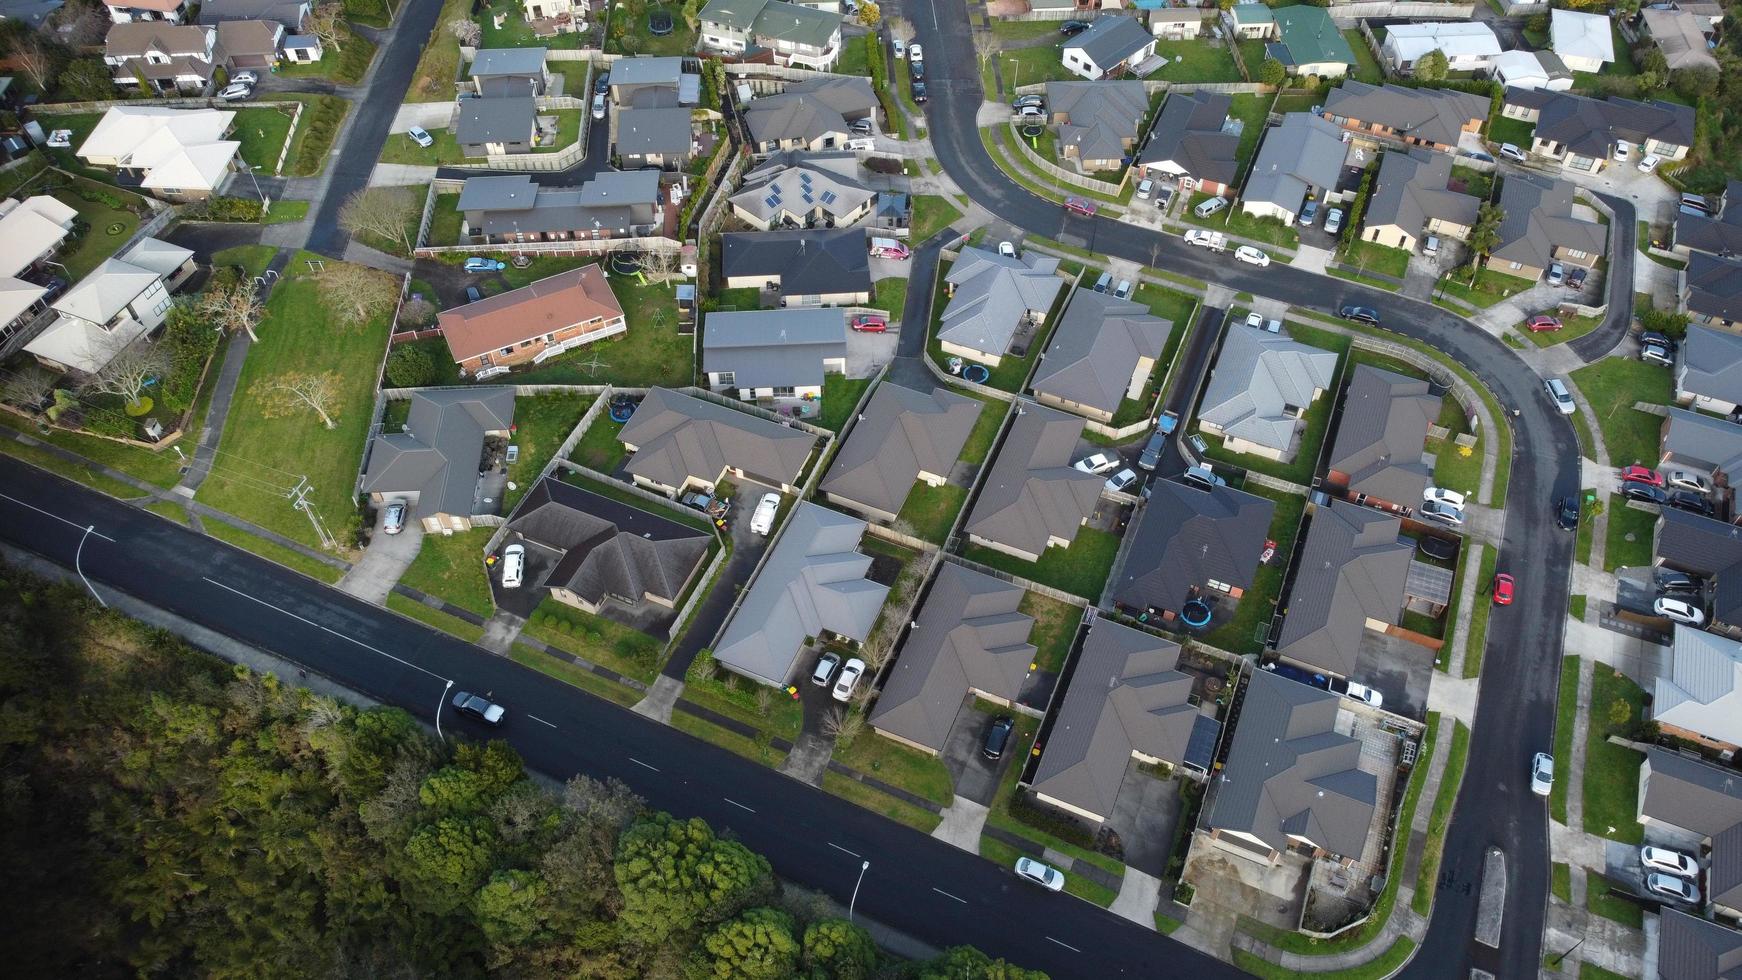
(868, 352)
(1143, 816)
(975, 776)
(1401, 671)
(521, 601)
(383, 562)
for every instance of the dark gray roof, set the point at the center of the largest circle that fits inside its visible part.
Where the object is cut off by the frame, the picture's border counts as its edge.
(437, 455)
(1189, 136)
(1032, 493)
(1125, 696)
(1260, 379)
(1184, 537)
(1110, 40)
(1539, 218)
(1590, 126)
(508, 61)
(1412, 189)
(510, 204)
(809, 109)
(807, 261)
(1290, 773)
(609, 548)
(679, 436)
(774, 348)
(1690, 948)
(1696, 544)
(1434, 115)
(1704, 440)
(1720, 236)
(1714, 287)
(992, 294)
(1530, 98)
(499, 120)
(1101, 118)
(1711, 364)
(644, 131)
(1303, 154)
(1096, 347)
(286, 12)
(646, 70)
(970, 634)
(1383, 429)
(1352, 569)
(900, 434)
(1691, 794)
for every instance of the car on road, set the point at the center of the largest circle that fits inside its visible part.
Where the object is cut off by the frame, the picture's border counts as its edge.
(1502, 589)
(1645, 493)
(1657, 354)
(997, 737)
(481, 264)
(1650, 163)
(1309, 214)
(1683, 480)
(762, 519)
(1443, 513)
(869, 323)
(479, 707)
(1150, 457)
(421, 137)
(1693, 503)
(599, 106)
(1566, 513)
(1122, 481)
(1451, 498)
(1203, 476)
(1440, 548)
(825, 671)
(1557, 274)
(916, 69)
(1562, 398)
(1542, 774)
(1081, 205)
(1670, 582)
(915, 52)
(1071, 28)
(1360, 314)
(235, 91)
(849, 679)
(245, 78)
(1098, 463)
(1334, 221)
(1673, 888)
(1365, 695)
(1210, 206)
(919, 93)
(474, 294)
(393, 518)
(1542, 323)
(1679, 611)
(1673, 862)
(1047, 877)
(1252, 256)
(513, 565)
(1513, 153)
(1641, 474)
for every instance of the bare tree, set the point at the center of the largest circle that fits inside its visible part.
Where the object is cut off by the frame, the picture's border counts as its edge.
(29, 386)
(232, 306)
(900, 29)
(130, 369)
(985, 46)
(363, 293)
(660, 264)
(315, 392)
(466, 31)
(82, 24)
(843, 726)
(386, 212)
(327, 22)
(38, 56)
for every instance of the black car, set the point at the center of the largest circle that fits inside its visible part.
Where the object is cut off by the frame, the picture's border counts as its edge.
(1566, 513)
(479, 707)
(919, 92)
(1437, 548)
(997, 736)
(917, 68)
(1644, 492)
(1152, 450)
(1678, 583)
(1070, 28)
(602, 84)
(1576, 278)
(1693, 503)
(1650, 337)
(474, 294)
(1360, 314)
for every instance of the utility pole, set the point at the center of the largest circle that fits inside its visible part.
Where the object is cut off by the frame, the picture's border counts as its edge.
(298, 497)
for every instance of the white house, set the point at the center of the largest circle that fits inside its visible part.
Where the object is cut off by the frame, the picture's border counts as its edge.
(128, 11)
(121, 301)
(1467, 45)
(1111, 45)
(551, 17)
(180, 154)
(1583, 41)
(1531, 70)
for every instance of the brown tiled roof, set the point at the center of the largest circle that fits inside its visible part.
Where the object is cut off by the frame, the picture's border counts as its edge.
(545, 306)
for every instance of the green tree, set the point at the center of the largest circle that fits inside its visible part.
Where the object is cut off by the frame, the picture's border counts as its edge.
(968, 963)
(692, 10)
(410, 366)
(1652, 60)
(757, 945)
(1431, 68)
(675, 874)
(1272, 72)
(88, 80)
(840, 950)
(447, 860)
(1484, 235)
(1670, 323)
(508, 907)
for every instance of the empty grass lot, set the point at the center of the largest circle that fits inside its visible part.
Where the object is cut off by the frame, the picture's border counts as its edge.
(1080, 569)
(451, 567)
(931, 214)
(262, 131)
(1258, 605)
(1373, 257)
(439, 65)
(541, 423)
(1611, 777)
(1611, 387)
(1628, 542)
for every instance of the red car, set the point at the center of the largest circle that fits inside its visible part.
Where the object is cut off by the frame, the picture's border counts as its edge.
(1080, 205)
(869, 323)
(1641, 474)
(1503, 590)
(1541, 323)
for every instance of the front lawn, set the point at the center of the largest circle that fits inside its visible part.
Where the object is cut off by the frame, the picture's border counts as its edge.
(1614, 908)
(1611, 777)
(399, 148)
(1628, 542)
(1572, 328)
(1565, 716)
(890, 295)
(1258, 606)
(541, 423)
(1611, 387)
(1490, 286)
(1080, 569)
(1270, 230)
(1505, 129)
(1373, 257)
(890, 761)
(1026, 66)
(840, 396)
(931, 214)
(262, 131)
(594, 638)
(251, 259)
(1200, 60)
(451, 567)
(111, 225)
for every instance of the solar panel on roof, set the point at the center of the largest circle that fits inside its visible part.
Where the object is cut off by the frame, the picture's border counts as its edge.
(772, 200)
(807, 197)
(805, 179)
(828, 197)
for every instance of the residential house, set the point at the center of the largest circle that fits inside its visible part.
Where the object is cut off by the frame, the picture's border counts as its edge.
(1195, 143)
(774, 353)
(1127, 705)
(128, 11)
(249, 44)
(533, 323)
(803, 190)
(1711, 549)
(497, 126)
(1581, 133)
(1112, 46)
(1711, 290)
(1539, 228)
(1378, 456)
(1300, 160)
(30, 231)
(653, 138)
(1531, 70)
(1695, 441)
(650, 83)
(1177, 23)
(508, 72)
(607, 551)
(1352, 575)
(1681, 37)
(510, 209)
(1260, 390)
(1032, 499)
(32, 13)
(302, 49)
(806, 266)
(1190, 543)
(162, 56)
(1720, 236)
(1467, 45)
(815, 114)
(1583, 41)
(811, 587)
(991, 297)
(902, 437)
(1691, 948)
(1697, 806)
(1097, 122)
(293, 14)
(432, 464)
(178, 154)
(1696, 696)
(552, 17)
(1708, 371)
(1293, 779)
(1101, 354)
(1309, 43)
(1250, 22)
(123, 299)
(681, 442)
(894, 212)
(795, 35)
(1412, 198)
(1434, 118)
(970, 639)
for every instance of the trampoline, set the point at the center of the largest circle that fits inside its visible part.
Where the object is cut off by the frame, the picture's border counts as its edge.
(625, 263)
(1031, 132)
(1195, 613)
(976, 373)
(659, 23)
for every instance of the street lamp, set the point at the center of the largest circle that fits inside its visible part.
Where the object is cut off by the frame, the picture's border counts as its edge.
(855, 899)
(265, 205)
(439, 704)
(77, 555)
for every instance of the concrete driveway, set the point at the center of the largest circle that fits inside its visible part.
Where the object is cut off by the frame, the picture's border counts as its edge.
(1398, 669)
(975, 776)
(1144, 814)
(383, 562)
(868, 352)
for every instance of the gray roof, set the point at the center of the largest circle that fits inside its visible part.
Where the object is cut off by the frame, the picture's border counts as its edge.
(969, 634)
(1259, 376)
(1383, 430)
(499, 120)
(436, 457)
(1032, 493)
(1539, 218)
(1185, 537)
(1412, 190)
(1101, 118)
(1433, 115)
(679, 436)
(508, 61)
(807, 26)
(1305, 153)
(1125, 696)
(807, 261)
(773, 348)
(1690, 948)
(900, 434)
(1590, 126)
(1192, 135)
(1096, 347)
(802, 183)
(609, 548)
(1290, 773)
(993, 293)
(1696, 544)
(1711, 364)
(1721, 235)
(813, 581)
(286, 12)
(1706, 441)
(810, 109)
(509, 204)
(1110, 40)
(737, 14)
(1691, 794)
(1714, 287)
(1352, 569)
(645, 131)
(1702, 689)
(646, 71)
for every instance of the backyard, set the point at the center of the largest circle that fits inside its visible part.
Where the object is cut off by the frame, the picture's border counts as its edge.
(840, 396)
(1505, 129)
(516, 30)
(1366, 67)
(1197, 61)
(1080, 569)
(261, 131)
(630, 33)
(105, 211)
(930, 510)
(1611, 387)
(541, 423)
(1611, 777)
(1258, 605)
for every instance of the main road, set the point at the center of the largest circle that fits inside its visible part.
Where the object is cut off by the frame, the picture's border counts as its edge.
(1516, 712)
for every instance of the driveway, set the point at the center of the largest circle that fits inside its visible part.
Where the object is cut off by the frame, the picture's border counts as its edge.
(868, 352)
(383, 562)
(747, 550)
(975, 776)
(1144, 815)
(1398, 669)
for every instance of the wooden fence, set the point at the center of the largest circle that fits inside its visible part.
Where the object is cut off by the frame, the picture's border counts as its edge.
(572, 247)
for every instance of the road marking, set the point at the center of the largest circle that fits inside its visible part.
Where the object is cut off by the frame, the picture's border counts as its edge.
(841, 849)
(735, 803)
(946, 894)
(642, 764)
(57, 517)
(336, 633)
(541, 721)
(1066, 945)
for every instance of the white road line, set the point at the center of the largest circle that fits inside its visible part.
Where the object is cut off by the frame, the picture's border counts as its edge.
(541, 721)
(57, 517)
(1065, 945)
(842, 849)
(946, 894)
(735, 803)
(642, 764)
(336, 633)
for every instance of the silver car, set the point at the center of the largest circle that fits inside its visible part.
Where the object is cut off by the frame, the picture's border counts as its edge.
(1673, 888)
(1673, 862)
(393, 518)
(1047, 877)
(1542, 774)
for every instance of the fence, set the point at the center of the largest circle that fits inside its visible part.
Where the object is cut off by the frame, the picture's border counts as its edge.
(1068, 176)
(1346, 15)
(758, 411)
(713, 211)
(893, 536)
(573, 246)
(561, 454)
(289, 137)
(1019, 581)
(380, 377)
(1153, 85)
(1377, 50)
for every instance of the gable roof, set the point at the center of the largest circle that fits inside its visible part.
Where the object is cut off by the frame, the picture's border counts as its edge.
(609, 548)
(1102, 118)
(30, 229)
(286, 12)
(1125, 696)
(1699, 233)
(503, 119)
(1185, 537)
(809, 109)
(178, 148)
(968, 635)
(1690, 793)
(514, 204)
(1590, 126)
(1539, 218)
(1191, 136)
(646, 70)
(1576, 35)
(1095, 349)
(136, 39)
(807, 261)
(1712, 443)
(644, 131)
(1259, 375)
(1700, 690)
(538, 308)
(1353, 568)
(679, 437)
(1711, 362)
(516, 61)
(1412, 190)
(1691, 948)
(795, 24)
(774, 348)
(802, 183)
(1304, 153)
(1434, 115)
(1383, 431)
(1527, 70)
(993, 293)
(1456, 38)
(1307, 36)
(118, 281)
(1681, 37)
(1032, 493)
(437, 455)
(1290, 773)
(900, 434)
(1713, 286)
(1110, 40)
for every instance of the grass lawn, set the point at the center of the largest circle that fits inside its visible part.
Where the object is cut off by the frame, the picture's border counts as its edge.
(1452, 468)
(651, 352)
(931, 511)
(1503, 129)
(840, 396)
(262, 131)
(1298, 100)
(1237, 222)
(541, 423)
(1372, 257)
(439, 65)
(630, 33)
(1591, 971)
(347, 66)
(1026, 66)
(78, 473)
(296, 561)
(1252, 111)
(876, 800)
(759, 749)
(1204, 61)
(1611, 777)
(312, 143)
(890, 295)
(1055, 627)
(435, 618)
(110, 228)
(1477, 642)
(1491, 287)
(1253, 54)
(1080, 569)
(1620, 910)
(1611, 386)
(445, 222)
(595, 638)
(931, 214)
(1572, 328)
(399, 148)
(1317, 417)
(170, 510)
(1628, 542)
(452, 568)
(81, 124)
(1561, 883)
(1386, 964)
(915, 771)
(1440, 817)
(1366, 67)
(1566, 713)
(516, 32)
(579, 677)
(599, 447)
(1475, 182)
(854, 60)
(1258, 605)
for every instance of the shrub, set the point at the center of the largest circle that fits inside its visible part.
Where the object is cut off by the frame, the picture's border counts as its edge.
(567, 627)
(410, 366)
(1050, 821)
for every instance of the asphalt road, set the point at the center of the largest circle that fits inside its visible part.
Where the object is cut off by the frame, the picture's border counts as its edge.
(1521, 670)
(925, 888)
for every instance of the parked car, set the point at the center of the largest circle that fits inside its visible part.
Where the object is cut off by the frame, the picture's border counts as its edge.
(1431, 245)
(602, 84)
(1049, 878)
(869, 323)
(1502, 589)
(1641, 474)
(1645, 493)
(1479, 155)
(599, 106)
(393, 518)
(762, 519)
(1576, 278)
(919, 93)
(849, 679)
(1071, 28)
(1566, 513)
(513, 565)
(474, 294)
(1660, 339)
(477, 706)
(236, 91)
(1081, 205)
(1693, 503)
(1450, 498)
(1443, 513)
(1309, 214)
(1145, 187)
(1684, 480)
(1513, 153)
(1698, 203)
(478, 263)
(1252, 256)
(1123, 290)
(825, 671)
(1028, 101)
(245, 77)
(1437, 548)
(1360, 314)
(1334, 221)
(1007, 249)
(1657, 354)
(1673, 888)
(997, 737)
(1623, 152)
(861, 127)
(1122, 481)
(1542, 774)
(1164, 196)
(1673, 862)
(1203, 476)
(1210, 206)
(916, 69)
(1649, 164)
(1365, 695)
(1679, 611)
(1098, 463)
(1671, 582)
(1562, 398)
(915, 52)
(900, 49)
(1557, 274)
(1542, 323)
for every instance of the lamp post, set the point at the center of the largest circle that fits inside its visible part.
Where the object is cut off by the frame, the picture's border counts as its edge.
(855, 899)
(77, 567)
(439, 704)
(265, 205)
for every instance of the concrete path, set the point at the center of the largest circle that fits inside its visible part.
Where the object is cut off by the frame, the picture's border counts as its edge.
(375, 258)
(964, 820)
(500, 632)
(1138, 895)
(808, 758)
(400, 175)
(383, 562)
(1467, 599)
(1453, 697)
(660, 698)
(1312, 258)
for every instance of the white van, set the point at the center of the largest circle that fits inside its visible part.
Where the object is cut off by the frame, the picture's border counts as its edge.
(889, 248)
(513, 565)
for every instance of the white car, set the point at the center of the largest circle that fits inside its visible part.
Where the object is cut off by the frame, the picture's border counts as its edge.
(1252, 256)
(1334, 221)
(246, 78)
(825, 671)
(900, 49)
(1366, 695)
(1563, 399)
(1664, 859)
(1145, 188)
(1683, 480)
(1673, 888)
(421, 137)
(1511, 152)
(1098, 463)
(599, 106)
(1622, 152)
(1679, 611)
(1650, 163)
(1007, 249)
(1255, 321)
(1122, 481)
(1047, 877)
(849, 679)
(762, 520)
(1542, 774)
(513, 565)
(1451, 498)
(915, 52)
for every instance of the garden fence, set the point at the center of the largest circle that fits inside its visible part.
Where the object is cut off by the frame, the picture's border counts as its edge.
(289, 137)
(1068, 176)
(570, 247)
(1017, 580)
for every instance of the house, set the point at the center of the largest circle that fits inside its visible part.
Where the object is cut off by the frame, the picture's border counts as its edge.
(648, 83)
(1467, 45)
(160, 55)
(1250, 22)
(1681, 37)
(1177, 23)
(1700, 806)
(1711, 290)
(179, 154)
(1101, 354)
(1191, 543)
(1300, 160)
(902, 436)
(1359, 570)
(803, 190)
(1032, 499)
(1582, 41)
(970, 639)
(1690, 948)
(533, 323)
(806, 266)
(815, 114)
(433, 464)
(290, 13)
(1539, 228)
(1113, 45)
(509, 209)
(121, 300)
(33, 13)
(681, 442)
(552, 17)
(1412, 198)
(607, 551)
(1434, 118)
(1195, 143)
(1127, 703)
(894, 212)
(249, 44)
(1292, 778)
(1702, 442)
(128, 11)
(1711, 549)
(1581, 133)
(507, 72)
(1097, 122)
(774, 353)
(1308, 43)
(1260, 390)
(795, 35)
(1721, 235)
(1696, 696)
(653, 138)
(1708, 371)
(302, 49)
(30, 231)
(1531, 70)
(496, 126)
(991, 296)
(1377, 457)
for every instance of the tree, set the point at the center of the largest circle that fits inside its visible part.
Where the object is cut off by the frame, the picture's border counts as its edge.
(466, 31)
(757, 945)
(327, 23)
(985, 46)
(1484, 236)
(447, 860)
(232, 305)
(385, 212)
(39, 56)
(1694, 84)
(363, 293)
(870, 14)
(1271, 72)
(507, 907)
(81, 24)
(416, 312)
(1431, 68)
(675, 874)
(316, 392)
(966, 961)
(900, 29)
(29, 386)
(1652, 60)
(692, 12)
(839, 949)
(660, 264)
(129, 370)
(1670, 323)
